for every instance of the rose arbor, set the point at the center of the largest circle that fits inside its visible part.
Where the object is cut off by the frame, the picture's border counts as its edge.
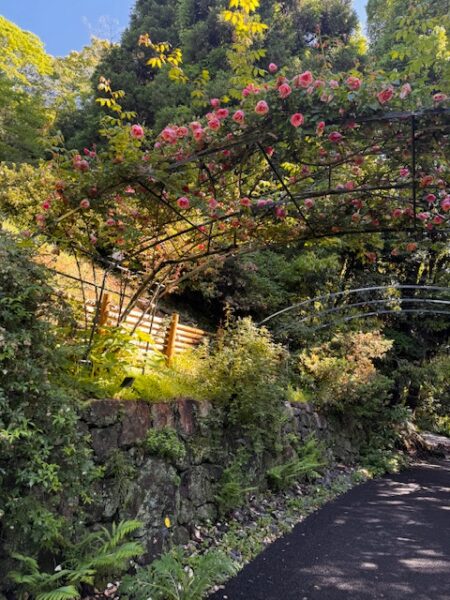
(299, 158)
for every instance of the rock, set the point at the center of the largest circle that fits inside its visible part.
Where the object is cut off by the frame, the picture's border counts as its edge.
(186, 412)
(435, 443)
(102, 413)
(162, 415)
(105, 441)
(136, 422)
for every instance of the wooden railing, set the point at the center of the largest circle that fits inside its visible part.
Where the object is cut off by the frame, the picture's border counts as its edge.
(169, 336)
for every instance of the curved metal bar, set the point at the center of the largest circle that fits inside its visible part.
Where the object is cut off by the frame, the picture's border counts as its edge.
(372, 303)
(353, 291)
(384, 312)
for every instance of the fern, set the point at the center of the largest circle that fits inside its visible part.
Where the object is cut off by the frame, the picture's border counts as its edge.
(176, 576)
(97, 554)
(307, 465)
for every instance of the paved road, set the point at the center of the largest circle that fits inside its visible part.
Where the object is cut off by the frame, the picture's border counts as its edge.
(388, 538)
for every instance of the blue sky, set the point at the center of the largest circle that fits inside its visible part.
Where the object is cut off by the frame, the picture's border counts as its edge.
(65, 25)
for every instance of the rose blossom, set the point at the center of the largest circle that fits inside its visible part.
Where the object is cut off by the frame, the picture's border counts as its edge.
(280, 212)
(183, 202)
(405, 90)
(85, 203)
(445, 204)
(262, 108)
(222, 113)
(284, 90)
(397, 213)
(440, 97)
(404, 172)
(169, 135)
(245, 201)
(309, 203)
(438, 220)
(353, 83)
(335, 137)
(215, 102)
(303, 80)
(385, 95)
(320, 127)
(273, 68)
(297, 119)
(137, 132)
(214, 124)
(238, 116)
(334, 84)
(198, 134)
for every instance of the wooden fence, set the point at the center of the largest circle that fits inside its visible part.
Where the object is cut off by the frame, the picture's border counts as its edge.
(169, 335)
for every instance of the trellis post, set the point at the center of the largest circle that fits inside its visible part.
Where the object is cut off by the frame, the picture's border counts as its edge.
(169, 350)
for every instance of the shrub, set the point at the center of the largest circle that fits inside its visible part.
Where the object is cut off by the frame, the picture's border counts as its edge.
(245, 373)
(166, 444)
(44, 459)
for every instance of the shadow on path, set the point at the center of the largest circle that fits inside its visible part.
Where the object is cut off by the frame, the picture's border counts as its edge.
(388, 538)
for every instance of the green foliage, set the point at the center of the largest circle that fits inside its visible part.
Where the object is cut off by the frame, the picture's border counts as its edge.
(166, 444)
(177, 576)
(379, 461)
(233, 488)
(23, 55)
(44, 458)
(306, 464)
(245, 373)
(95, 557)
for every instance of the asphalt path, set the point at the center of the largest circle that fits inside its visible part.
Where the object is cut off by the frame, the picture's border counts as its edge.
(388, 538)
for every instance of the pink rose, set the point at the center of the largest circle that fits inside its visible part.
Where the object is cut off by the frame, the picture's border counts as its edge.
(385, 95)
(183, 202)
(46, 205)
(169, 135)
(212, 203)
(438, 219)
(245, 201)
(262, 108)
(238, 116)
(198, 134)
(85, 203)
(137, 132)
(110, 222)
(445, 204)
(222, 113)
(273, 68)
(309, 203)
(320, 127)
(353, 83)
(215, 102)
(280, 212)
(397, 213)
(195, 125)
(430, 198)
(349, 185)
(439, 97)
(335, 137)
(297, 119)
(318, 84)
(303, 80)
(423, 216)
(214, 124)
(404, 172)
(182, 132)
(405, 90)
(334, 84)
(284, 90)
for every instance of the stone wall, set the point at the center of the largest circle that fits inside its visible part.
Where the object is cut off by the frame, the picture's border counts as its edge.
(140, 485)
